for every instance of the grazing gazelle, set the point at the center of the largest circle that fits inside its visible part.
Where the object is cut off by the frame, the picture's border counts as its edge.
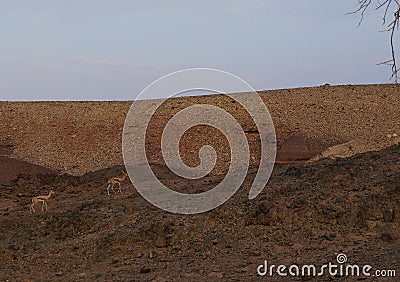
(111, 182)
(42, 199)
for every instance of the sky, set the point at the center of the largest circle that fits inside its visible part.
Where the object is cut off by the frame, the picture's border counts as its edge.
(112, 50)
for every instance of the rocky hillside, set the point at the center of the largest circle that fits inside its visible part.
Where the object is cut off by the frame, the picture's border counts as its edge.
(79, 137)
(307, 214)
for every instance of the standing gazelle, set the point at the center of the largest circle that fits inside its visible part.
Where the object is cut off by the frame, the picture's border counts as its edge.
(111, 182)
(42, 199)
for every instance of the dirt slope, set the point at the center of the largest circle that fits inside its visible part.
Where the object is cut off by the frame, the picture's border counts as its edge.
(78, 137)
(307, 214)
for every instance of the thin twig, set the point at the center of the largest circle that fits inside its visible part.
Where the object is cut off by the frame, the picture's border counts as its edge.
(392, 27)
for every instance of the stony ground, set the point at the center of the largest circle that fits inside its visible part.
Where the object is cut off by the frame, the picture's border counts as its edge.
(312, 208)
(307, 214)
(78, 137)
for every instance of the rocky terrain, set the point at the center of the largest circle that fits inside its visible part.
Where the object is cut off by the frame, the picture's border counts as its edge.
(79, 137)
(335, 189)
(307, 214)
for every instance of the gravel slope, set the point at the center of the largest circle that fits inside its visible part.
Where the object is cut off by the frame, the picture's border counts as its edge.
(77, 137)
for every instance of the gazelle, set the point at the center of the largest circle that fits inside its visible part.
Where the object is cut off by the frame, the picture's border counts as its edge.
(111, 182)
(42, 199)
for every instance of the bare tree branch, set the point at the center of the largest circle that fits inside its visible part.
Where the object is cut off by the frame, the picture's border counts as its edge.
(393, 27)
(362, 7)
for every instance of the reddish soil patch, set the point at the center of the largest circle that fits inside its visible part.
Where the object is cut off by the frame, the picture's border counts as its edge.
(300, 148)
(10, 168)
(6, 148)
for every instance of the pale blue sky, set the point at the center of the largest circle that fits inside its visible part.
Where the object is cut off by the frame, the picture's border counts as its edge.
(111, 50)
